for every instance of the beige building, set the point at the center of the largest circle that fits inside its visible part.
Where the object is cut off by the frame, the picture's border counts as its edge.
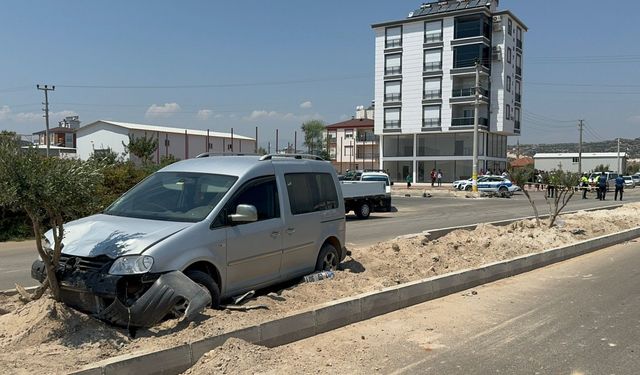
(352, 145)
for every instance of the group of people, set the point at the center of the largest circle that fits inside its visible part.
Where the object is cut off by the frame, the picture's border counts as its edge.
(436, 178)
(602, 186)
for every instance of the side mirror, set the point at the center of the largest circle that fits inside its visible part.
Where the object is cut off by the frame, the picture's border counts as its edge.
(245, 213)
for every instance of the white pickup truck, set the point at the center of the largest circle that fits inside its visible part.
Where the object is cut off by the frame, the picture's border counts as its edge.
(363, 197)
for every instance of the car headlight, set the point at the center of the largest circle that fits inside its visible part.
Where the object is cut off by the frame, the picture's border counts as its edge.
(131, 265)
(46, 246)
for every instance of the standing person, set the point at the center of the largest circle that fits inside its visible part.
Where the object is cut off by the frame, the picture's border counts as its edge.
(439, 177)
(619, 187)
(602, 186)
(409, 181)
(584, 184)
(433, 177)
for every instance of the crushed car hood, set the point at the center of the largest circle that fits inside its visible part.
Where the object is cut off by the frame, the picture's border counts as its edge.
(114, 236)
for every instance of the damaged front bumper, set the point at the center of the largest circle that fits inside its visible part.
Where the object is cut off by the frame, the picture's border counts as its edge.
(128, 301)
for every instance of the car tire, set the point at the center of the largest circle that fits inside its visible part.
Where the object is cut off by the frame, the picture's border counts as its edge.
(467, 188)
(387, 206)
(503, 189)
(363, 211)
(328, 258)
(207, 282)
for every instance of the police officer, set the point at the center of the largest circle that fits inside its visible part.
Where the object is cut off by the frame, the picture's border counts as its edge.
(602, 186)
(619, 187)
(584, 184)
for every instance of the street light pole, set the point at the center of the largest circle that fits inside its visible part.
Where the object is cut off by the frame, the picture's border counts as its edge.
(474, 171)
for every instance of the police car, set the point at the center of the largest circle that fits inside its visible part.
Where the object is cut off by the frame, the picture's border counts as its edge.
(496, 184)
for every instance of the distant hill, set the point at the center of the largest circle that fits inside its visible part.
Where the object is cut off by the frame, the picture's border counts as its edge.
(631, 146)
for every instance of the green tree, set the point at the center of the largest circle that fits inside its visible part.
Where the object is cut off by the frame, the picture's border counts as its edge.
(314, 136)
(521, 177)
(633, 168)
(601, 168)
(565, 184)
(142, 147)
(261, 151)
(51, 191)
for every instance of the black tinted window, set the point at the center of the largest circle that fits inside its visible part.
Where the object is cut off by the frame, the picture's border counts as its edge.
(309, 192)
(261, 193)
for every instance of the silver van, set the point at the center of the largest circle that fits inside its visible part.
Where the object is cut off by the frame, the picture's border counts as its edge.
(200, 231)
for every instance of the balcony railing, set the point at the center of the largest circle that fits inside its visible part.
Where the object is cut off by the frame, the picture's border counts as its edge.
(432, 66)
(433, 38)
(431, 123)
(518, 98)
(392, 124)
(468, 91)
(392, 97)
(393, 43)
(393, 70)
(517, 125)
(519, 43)
(518, 70)
(371, 138)
(466, 121)
(432, 94)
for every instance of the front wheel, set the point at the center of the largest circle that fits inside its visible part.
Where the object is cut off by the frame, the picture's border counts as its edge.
(328, 258)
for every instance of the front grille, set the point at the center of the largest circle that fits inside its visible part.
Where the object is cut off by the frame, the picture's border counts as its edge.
(87, 264)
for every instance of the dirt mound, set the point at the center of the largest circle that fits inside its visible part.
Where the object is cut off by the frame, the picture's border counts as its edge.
(46, 321)
(8, 303)
(236, 356)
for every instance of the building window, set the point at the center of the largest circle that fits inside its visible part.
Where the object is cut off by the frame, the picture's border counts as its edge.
(517, 118)
(392, 118)
(467, 55)
(507, 112)
(518, 95)
(510, 27)
(210, 146)
(509, 83)
(472, 26)
(393, 37)
(432, 88)
(397, 145)
(431, 116)
(432, 60)
(509, 55)
(348, 150)
(393, 64)
(348, 133)
(575, 160)
(392, 91)
(518, 64)
(519, 37)
(433, 32)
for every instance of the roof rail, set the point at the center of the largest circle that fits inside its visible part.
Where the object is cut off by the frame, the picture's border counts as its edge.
(208, 154)
(292, 156)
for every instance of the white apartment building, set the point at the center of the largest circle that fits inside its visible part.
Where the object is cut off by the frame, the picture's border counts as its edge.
(425, 88)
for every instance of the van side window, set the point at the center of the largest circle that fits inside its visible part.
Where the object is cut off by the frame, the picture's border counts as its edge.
(262, 193)
(310, 192)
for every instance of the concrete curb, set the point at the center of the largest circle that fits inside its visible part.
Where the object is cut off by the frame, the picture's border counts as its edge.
(350, 310)
(13, 292)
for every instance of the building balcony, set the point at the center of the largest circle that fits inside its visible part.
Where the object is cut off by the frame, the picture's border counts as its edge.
(394, 70)
(392, 97)
(518, 70)
(367, 139)
(468, 91)
(432, 94)
(516, 125)
(432, 66)
(468, 121)
(433, 38)
(393, 43)
(518, 98)
(519, 43)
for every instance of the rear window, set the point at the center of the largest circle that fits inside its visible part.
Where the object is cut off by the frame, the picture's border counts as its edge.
(376, 178)
(311, 192)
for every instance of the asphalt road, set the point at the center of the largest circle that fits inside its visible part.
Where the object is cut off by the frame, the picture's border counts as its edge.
(410, 215)
(577, 317)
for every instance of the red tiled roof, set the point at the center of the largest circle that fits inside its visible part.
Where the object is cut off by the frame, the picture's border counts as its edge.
(353, 123)
(522, 162)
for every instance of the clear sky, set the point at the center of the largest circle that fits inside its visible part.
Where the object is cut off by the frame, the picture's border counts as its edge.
(275, 64)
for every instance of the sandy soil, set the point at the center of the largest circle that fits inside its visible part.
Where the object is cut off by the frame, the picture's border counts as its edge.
(32, 335)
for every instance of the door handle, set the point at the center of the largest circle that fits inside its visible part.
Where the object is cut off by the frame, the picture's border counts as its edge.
(275, 234)
(291, 230)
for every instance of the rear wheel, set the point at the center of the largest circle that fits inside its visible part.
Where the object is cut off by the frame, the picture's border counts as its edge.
(467, 188)
(328, 258)
(503, 189)
(363, 211)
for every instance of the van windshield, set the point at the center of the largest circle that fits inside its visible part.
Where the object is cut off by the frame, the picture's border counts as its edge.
(173, 196)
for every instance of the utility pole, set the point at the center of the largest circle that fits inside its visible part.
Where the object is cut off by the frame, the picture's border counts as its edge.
(619, 166)
(256, 140)
(46, 90)
(474, 171)
(580, 126)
